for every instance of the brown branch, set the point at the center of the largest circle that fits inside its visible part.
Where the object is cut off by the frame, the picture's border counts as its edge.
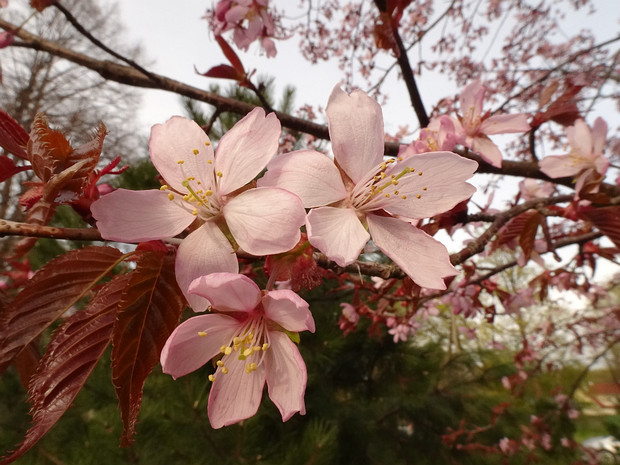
(476, 246)
(130, 76)
(13, 228)
(405, 68)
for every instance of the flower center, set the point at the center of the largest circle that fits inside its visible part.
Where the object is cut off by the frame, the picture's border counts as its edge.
(199, 200)
(372, 191)
(249, 344)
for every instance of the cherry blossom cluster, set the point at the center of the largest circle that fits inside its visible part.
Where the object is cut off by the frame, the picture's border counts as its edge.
(213, 199)
(249, 20)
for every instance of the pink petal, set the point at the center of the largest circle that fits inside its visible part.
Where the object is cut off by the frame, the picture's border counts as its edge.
(559, 166)
(134, 216)
(487, 150)
(470, 102)
(356, 131)
(236, 395)
(438, 178)
(204, 251)
(236, 13)
(580, 138)
(186, 351)
(286, 375)
(176, 140)
(504, 124)
(265, 220)
(244, 151)
(288, 310)
(599, 136)
(337, 232)
(424, 259)
(227, 292)
(308, 174)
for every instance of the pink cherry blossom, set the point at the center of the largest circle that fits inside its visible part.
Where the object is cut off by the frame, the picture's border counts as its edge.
(477, 127)
(248, 19)
(361, 195)
(586, 153)
(248, 331)
(439, 135)
(204, 191)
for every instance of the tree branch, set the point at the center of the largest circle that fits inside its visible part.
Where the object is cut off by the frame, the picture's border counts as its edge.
(130, 76)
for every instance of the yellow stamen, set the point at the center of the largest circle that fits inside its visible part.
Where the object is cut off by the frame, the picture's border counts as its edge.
(225, 370)
(171, 196)
(180, 162)
(219, 363)
(196, 151)
(418, 196)
(211, 378)
(202, 333)
(164, 187)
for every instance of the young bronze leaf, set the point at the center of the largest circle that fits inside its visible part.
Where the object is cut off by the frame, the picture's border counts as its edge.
(47, 148)
(13, 137)
(75, 348)
(149, 311)
(50, 293)
(606, 220)
(528, 234)
(514, 228)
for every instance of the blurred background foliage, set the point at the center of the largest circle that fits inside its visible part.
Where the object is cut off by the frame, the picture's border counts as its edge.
(369, 400)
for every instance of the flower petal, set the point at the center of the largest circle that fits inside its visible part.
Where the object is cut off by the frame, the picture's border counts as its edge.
(599, 136)
(580, 139)
(244, 151)
(265, 220)
(487, 150)
(186, 351)
(308, 174)
(227, 292)
(289, 310)
(470, 103)
(424, 259)
(286, 375)
(178, 139)
(504, 124)
(356, 131)
(558, 166)
(236, 395)
(438, 178)
(204, 251)
(337, 232)
(134, 216)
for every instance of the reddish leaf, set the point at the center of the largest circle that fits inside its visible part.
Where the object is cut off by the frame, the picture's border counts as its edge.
(26, 363)
(224, 72)
(606, 220)
(13, 137)
(528, 234)
(51, 154)
(230, 55)
(514, 228)
(563, 110)
(50, 293)
(8, 168)
(41, 5)
(149, 311)
(75, 348)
